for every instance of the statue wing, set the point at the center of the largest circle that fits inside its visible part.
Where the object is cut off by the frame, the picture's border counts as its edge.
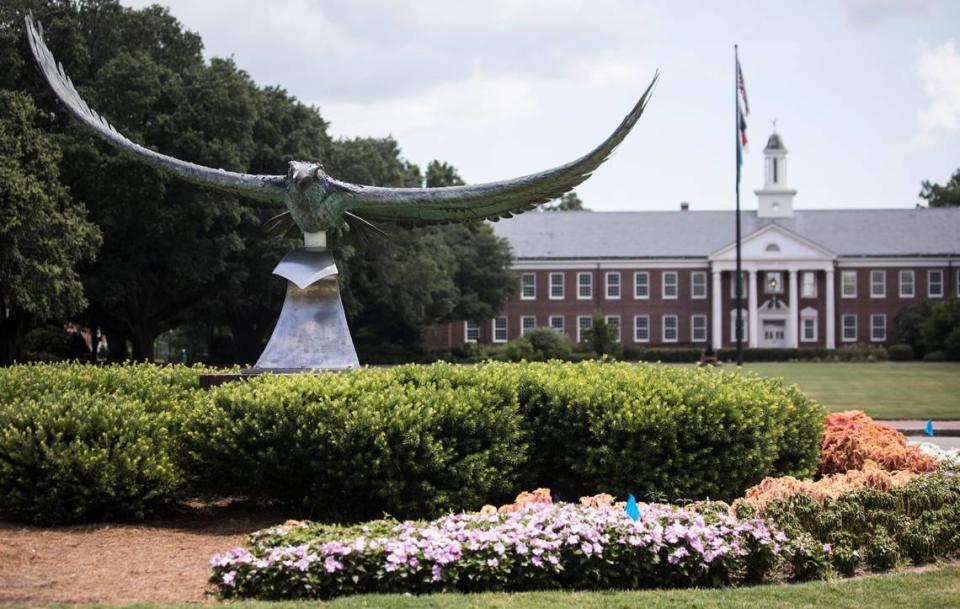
(492, 201)
(259, 187)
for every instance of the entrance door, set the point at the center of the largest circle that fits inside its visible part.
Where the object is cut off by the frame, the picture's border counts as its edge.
(773, 333)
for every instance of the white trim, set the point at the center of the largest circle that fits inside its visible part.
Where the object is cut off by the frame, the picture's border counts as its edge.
(894, 261)
(562, 329)
(494, 329)
(589, 285)
(607, 286)
(745, 319)
(872, 283)
(523, 328)
(523, 277)
(693, 285)
(693, 328)
(930, 293)
(551, 285)
(580, 327)
(635, 284)
(812, 274)
(777, 229)
(873, 338)
(612, 264)
(466, 332)
(847, 273)
(913, 283)
(636, 326)
(663, 285)
(809, 314)
(843, 328)
(619, 326)
(663, 328)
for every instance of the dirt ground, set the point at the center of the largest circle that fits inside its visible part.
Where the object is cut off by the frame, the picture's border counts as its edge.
(164, 559)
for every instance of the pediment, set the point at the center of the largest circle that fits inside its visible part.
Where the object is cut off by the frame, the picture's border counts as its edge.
(774, 242)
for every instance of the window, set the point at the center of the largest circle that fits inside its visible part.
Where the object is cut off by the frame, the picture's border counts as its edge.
(527, 323)
(670, 284)
(848, 324)
(848, 284)
(935, 284)
(744, 284)
(613, 322)
(808, 284)
(613, 286)
(584, 286)
(808, 325)
(698, 328)
(775, 177)
(878, 327)
(641, 284)
(670, 328)
(772, 247)
(698, 285)
(878, 283)
(733, 326)
(556, 322)
(773, 283)
(584, 325)
(641, 329)
(556, 286)
(471, 331)
(528, 286)
(907, 285)
(500, 330)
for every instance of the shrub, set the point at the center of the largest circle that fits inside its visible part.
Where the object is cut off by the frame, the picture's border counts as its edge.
(936, 356)
(664, 354)
(536, 547)
(901, 353)
(851, 438)
(882, 553)
(941, 329)
(548, 344)
(519, 349)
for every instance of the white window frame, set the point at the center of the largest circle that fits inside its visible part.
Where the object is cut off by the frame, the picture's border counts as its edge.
(562, 329)
(873, 337)
(843, 284)
(676, 328)
(532, 286)
(843, 328)
(676, 285)
(610, 318)
(494, 329)
(766, 282)
(554, 284)
(813, 284)
(466, 332)
(581, 328)
(609, 285)
(874, 274)
(693, 328)
(930, 292)
(809, 314)
(702, 275)
(745, 281)
(733, 325)
(636, 329)
(637, 284)
(523, 324)
(913, 283)
(588, 285)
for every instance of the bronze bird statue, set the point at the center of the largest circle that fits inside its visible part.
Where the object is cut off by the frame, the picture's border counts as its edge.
(320, 203)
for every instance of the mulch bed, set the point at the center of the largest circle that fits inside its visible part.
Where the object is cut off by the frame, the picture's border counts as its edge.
(163, 559)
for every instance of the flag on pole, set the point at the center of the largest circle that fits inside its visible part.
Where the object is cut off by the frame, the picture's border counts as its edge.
(741, 118)
(743, 89)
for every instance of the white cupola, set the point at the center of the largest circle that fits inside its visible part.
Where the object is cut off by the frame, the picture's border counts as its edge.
(775, 200)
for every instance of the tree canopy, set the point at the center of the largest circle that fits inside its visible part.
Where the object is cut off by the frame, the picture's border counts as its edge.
(568, 202)
(947, 195)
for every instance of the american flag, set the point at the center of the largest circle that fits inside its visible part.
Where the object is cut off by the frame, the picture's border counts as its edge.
(741, 114)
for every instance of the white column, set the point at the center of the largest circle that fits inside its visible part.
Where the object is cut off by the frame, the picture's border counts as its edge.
(831, 316)
(792, 334)
(753, 316)
(717, 311)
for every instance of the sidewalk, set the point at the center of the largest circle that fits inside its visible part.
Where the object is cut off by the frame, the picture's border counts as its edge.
(914, 427)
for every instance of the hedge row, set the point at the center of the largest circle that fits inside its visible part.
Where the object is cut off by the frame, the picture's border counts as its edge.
(81, 443)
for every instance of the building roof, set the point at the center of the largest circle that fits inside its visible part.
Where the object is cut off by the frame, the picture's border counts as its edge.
(774, 142)
(697, 234)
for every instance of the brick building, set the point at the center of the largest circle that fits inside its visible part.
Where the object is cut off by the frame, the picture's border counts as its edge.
(812, 278)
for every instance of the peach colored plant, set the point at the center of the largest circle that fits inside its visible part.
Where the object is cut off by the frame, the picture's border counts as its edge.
(851, 438)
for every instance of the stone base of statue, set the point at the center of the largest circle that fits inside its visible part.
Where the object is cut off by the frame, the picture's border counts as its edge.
(312, 332)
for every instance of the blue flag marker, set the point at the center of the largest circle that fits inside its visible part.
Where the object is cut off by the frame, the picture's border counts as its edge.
(929, 428)
(633, 510)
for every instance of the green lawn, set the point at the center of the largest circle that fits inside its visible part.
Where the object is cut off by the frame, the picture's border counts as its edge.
(884, 390)
(933, 589)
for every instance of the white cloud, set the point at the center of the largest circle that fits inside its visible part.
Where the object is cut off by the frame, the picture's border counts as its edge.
(939, 70)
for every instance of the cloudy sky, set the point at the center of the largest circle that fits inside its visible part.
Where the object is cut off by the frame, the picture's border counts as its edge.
(866, 93)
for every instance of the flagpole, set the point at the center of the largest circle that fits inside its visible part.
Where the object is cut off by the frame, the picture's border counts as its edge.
(737, 281)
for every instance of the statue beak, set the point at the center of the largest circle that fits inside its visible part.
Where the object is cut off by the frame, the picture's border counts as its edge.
(303, 180)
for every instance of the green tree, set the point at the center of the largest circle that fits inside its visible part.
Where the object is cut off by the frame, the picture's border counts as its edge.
(568, 202)
(44, 233)
(602, 337)
(947, 195)
(941, 329)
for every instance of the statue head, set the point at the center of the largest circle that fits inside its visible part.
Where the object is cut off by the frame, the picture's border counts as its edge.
(304, 174)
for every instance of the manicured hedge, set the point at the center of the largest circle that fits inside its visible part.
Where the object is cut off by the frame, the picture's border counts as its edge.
(410, 440)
